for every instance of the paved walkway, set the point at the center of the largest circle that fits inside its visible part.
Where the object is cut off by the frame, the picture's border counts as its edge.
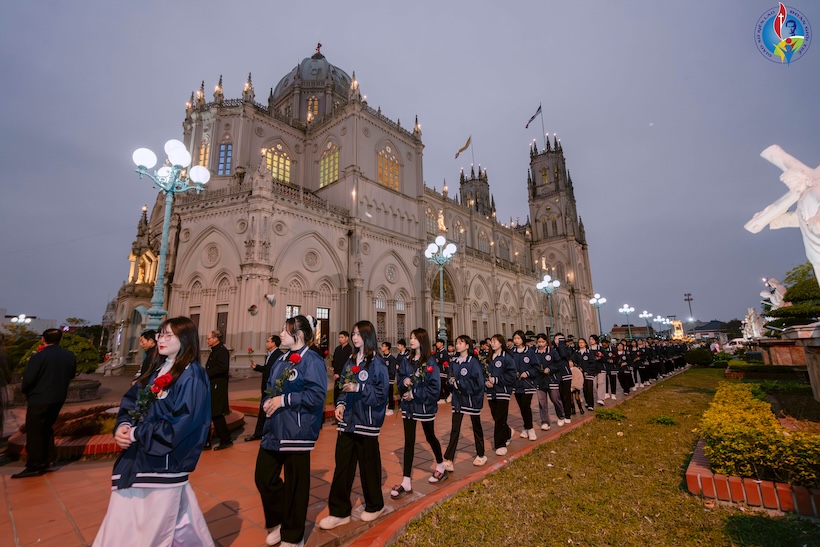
(66, 507)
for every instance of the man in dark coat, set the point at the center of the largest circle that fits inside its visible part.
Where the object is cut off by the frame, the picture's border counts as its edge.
(340, 356)
(45, 384)
(217, 367)
(274, 353)
(148, 343)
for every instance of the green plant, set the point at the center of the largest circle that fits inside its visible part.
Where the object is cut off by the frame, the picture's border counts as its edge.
(699, 357)
(610, 414)
(663, 419)
(720, 363)
(84, 351)
(744, 366)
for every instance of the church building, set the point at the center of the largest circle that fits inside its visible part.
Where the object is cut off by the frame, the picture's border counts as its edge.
(317, 205)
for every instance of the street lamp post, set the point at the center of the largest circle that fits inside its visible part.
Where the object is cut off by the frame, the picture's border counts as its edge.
(21, 320)
(548, 286)
(170, 179)
(687, 297)
(661, 321)
(645, 315)
(626, 309)
(598, 301)
(441, 253)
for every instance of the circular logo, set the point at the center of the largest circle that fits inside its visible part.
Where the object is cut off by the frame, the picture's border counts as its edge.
(362, 375)
(293, 375)
(497, 364)
(548, 357)
(464, 372)
(586, 358)
(782, 34)
(526, 359)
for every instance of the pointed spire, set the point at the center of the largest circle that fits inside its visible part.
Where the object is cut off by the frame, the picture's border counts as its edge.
(555, 141)
(354, 93)
(461, 176)
(247, 93)
(218, 96)
(445, 189)
(200, 95)
(417, 128)
(189, 106)
(472, 171)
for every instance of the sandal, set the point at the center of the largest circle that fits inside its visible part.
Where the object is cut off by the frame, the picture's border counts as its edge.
(439, 476)
(398, 492)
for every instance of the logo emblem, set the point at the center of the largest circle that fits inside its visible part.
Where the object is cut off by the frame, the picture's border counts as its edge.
(464, 372)
(526, 359)
(363, 376)
(782, 34)
(497, 364)
(549, 357)
(293, 375)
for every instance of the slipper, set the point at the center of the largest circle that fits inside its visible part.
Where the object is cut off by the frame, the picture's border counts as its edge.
(398, 492)
(439, 476)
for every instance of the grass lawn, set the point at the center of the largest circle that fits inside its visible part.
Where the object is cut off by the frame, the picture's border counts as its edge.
(609, 482)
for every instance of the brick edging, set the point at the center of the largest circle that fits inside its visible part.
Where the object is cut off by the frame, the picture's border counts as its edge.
(701, 481)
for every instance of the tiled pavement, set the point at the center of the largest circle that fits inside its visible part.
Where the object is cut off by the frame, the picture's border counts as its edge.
(66, 507)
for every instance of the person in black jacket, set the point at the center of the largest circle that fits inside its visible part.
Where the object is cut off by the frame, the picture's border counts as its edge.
(45, 384)
(217, 367)
(148, 342)
(274, 353)
(340, 356)
(392, 364)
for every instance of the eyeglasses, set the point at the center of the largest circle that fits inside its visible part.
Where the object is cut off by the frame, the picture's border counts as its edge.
(165, 335)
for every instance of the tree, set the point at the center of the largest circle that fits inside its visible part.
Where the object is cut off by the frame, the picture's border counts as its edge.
(76, 321)
(803, 292)
(82, 348)
(732, 329)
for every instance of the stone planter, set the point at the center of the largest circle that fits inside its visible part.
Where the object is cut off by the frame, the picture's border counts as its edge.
(78, 390)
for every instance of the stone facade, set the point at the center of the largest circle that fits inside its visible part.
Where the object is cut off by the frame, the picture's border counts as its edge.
(317, 206)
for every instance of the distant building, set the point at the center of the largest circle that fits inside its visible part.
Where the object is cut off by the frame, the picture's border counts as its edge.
(317, 205)
(712, 329)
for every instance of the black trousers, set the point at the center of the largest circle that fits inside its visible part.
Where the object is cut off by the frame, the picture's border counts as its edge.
(410, 443)
(566, 397)
(285, 501)
(445, 387)
(221, 429)
(260, 421)
(625, 378)
(455, 433)
(353, 450)
(612, 381)
(499, 408)
(391, 401)
(589, 395)
(40, 434)
(524, 401)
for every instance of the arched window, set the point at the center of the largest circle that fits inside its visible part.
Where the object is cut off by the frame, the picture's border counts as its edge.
(329, 165)
(544, 179)
(554, 225)
(432, 222)
(388, 168)
(544, 227)
(483, 242)
(225, 156)
(223, 290)
(381, 301)
(559, 273)
(205, 152)
(196, 293)
(468, 199)
(504, 250)
(313, 106)
(278, 163)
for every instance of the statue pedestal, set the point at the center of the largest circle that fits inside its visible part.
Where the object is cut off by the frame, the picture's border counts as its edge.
(800, 346)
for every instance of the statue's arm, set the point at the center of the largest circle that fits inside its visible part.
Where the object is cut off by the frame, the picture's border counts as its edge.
(786, 220)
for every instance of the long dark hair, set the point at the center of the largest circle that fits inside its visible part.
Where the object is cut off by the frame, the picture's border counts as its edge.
(184, 329)
(368, 334)
(501, 340)
(302, 324)
(470, 344)
(424, 344)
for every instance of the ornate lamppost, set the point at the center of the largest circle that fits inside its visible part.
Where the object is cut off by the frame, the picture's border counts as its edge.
(441, 253)
(548, 286)
(598, 301)
(626, 309)
(170, 179)
(645, 315)
(21, 320)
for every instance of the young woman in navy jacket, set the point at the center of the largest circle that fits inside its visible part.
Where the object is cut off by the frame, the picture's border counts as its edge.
(526, 374)
(585, 360)
(624, 368)
(162, 439)
(294, 407)
(548, 382)
(500, 381)
(360, 413)
(565, 388)
(467, 381)
(419, 386)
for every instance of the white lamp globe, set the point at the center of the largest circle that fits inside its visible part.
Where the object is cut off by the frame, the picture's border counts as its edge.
(440, 241)
(597, 295)
(173, 144)
(556, 283)
(199, 174)
(144, 158)
(164, 171)
(450, 249)
(602, 300)
(180, 157)
(539, 285)
(592, 301)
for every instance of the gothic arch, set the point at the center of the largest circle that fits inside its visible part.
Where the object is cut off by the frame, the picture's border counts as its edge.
(486, 293)
(513, 299)
(186, 264)
(292, 249)
(379, 265)
(384, 142)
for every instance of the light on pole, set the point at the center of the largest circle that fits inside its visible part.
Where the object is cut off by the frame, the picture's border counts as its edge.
(662, 322)
(645, 315)
(626, 309)
(441, 253)
(687, 297)
(548, 286)
(598, 301)
(21, 320)
(170, 179)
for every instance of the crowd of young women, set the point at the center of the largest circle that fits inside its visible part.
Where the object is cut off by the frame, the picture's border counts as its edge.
(163, 421)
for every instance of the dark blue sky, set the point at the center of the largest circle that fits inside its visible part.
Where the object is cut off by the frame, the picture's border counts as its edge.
(662, 107)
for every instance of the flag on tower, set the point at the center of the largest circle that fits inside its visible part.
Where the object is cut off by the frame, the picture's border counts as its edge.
(537, 112)
(465, 147)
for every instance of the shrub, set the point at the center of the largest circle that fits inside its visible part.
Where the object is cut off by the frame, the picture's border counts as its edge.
(743, 438)
(609, 414)
(698, 357)
(744, 366)
(663, 419)
(720, 363)
(796, 388)
(82, 348)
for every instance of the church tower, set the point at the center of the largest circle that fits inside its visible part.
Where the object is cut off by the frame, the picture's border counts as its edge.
(559, 246)
(475, 192)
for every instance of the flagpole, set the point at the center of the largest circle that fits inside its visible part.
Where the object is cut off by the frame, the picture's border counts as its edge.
(543, 131)
(472, 151)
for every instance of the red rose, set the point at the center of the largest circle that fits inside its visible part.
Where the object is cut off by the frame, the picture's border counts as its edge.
(445, 364)
(295, 358)
(326, 352)
(355, 369)
(41, 347)
(429, 368)
(250, 350)
(475, 352)
(155, 389)
(163, 381)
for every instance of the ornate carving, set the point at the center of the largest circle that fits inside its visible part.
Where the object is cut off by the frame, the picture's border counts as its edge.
(415, 261)
(241, 226)
(185, 235)
(227, 127)
(366, 132)
(280, 228)
(311, 260)
(478, 292)
(210, 256)
(343, 131)
(366, 248)
(391, 273)
(298, 148)
(260, 132)
(409, 156)
(342, 243)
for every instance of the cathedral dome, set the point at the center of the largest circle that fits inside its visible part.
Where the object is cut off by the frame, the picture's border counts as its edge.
(315, 68)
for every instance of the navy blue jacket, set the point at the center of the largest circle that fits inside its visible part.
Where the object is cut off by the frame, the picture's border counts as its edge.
(169, 440)
(586, 362)
(425, 389)
(295, 426)
(502, 371)
(365, 409)
(468, 381)
(525, 361)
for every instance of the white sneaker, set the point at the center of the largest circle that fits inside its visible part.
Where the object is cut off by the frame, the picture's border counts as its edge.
(560, 423)
(449, 398)
(330, 522)
(501, 451)
(524, 434)
(370, 517)
(600, 402)
(606, 396)
(614, 397)
(388, 412)
(440, 402)
(567, 420)
(531, 435)
(274, 536)
(480, 460)
(288, 544)
(448, 465)
(545, 427)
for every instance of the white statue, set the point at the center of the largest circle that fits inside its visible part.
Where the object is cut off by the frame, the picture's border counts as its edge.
(804, 190)
(775, 293)
(752, 325)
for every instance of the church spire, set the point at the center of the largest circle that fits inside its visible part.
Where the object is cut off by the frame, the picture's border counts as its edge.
(218, 96)
(200, 95)
(247, 93)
